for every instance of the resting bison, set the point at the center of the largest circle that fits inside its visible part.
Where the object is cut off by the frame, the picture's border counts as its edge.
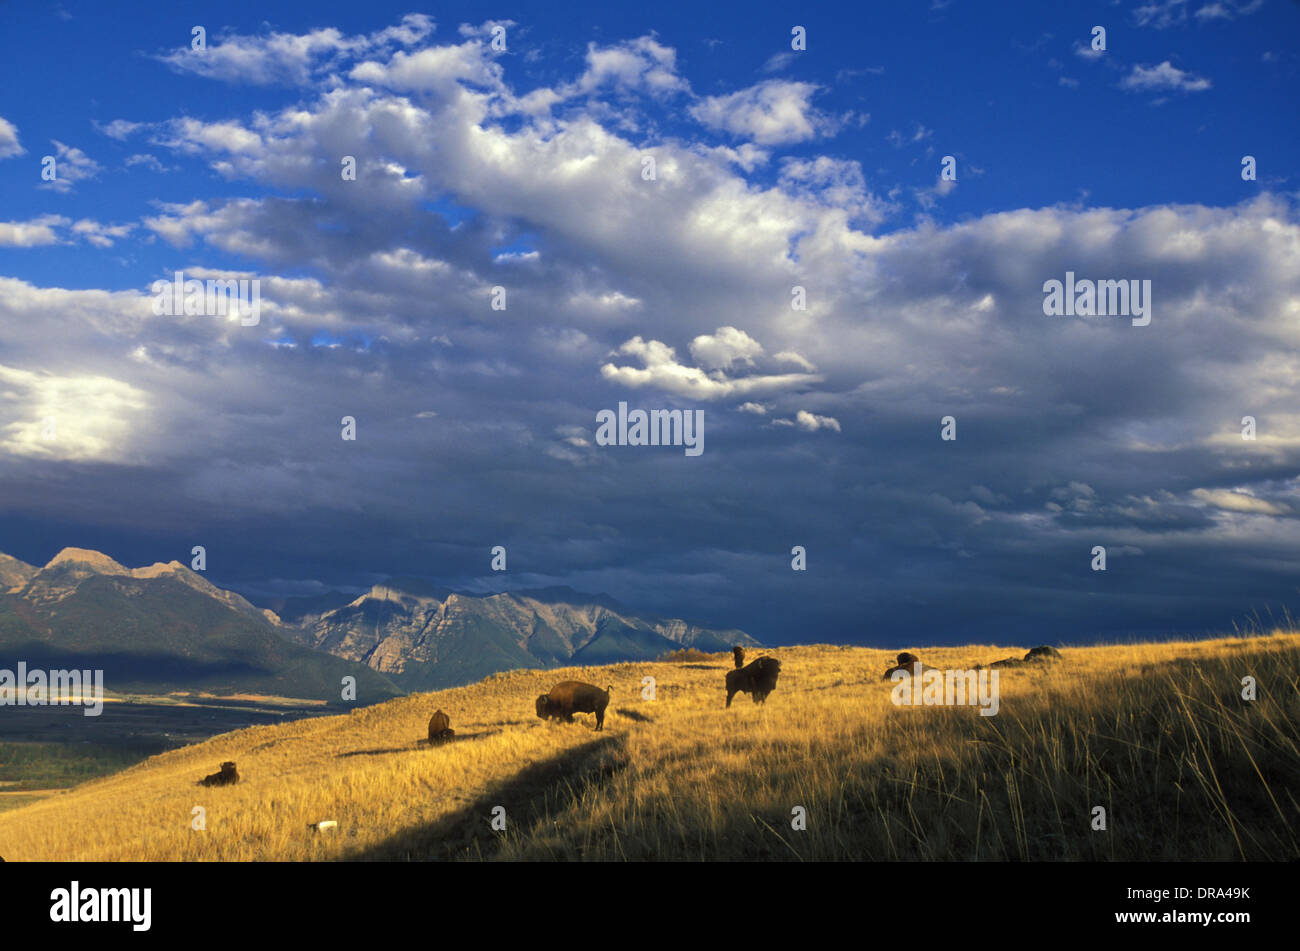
(572, 696)
(1036, 655)
(757, 680)
(910, 664)
(739, 654)
(440, 728)
(226, 777)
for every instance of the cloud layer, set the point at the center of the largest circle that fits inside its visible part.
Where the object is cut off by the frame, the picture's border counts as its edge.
(753, 286)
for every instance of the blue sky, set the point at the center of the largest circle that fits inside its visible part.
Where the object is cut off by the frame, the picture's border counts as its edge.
(519, 168)
(994, 85)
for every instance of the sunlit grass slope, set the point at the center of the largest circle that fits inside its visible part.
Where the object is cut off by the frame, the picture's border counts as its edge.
(1156, 734)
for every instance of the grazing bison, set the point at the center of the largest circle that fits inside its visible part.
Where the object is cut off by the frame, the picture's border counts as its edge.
(440, 730)
(573, 696)
(228, 776)
(910, 664)
(757, 680)
(739, 654)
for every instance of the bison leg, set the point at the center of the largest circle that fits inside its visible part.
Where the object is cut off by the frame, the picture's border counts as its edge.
(730, 694)
(600, 719)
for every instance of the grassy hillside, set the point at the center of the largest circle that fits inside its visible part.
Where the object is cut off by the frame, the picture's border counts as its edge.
(1157, 734)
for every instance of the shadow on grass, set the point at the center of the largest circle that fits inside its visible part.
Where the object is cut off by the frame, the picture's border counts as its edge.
(419, 745)
(634, 715)
(528, 797)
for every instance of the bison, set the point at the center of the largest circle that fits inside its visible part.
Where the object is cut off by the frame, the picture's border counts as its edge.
(228, 776)
(908, 663)
(758, 679)
(739, 654)
(572, 696)
(1036, 655)
(440, 728)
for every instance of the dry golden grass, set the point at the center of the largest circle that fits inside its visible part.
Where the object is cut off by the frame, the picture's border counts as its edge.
(1156, 733)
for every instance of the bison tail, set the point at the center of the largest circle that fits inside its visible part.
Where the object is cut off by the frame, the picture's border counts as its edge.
(609, 688)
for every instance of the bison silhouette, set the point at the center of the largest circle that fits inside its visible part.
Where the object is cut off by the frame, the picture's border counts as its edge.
(757, 679)
(910, 664)
(738, 653)
(573, 696)
(227, 777)
(1036, 655)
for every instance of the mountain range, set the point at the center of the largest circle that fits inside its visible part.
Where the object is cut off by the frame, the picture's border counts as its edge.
(425, 637)
(165, 627)
(160, 629)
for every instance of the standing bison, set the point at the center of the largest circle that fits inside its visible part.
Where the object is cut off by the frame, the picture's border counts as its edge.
(738, 653)
(440, 730)
(758, 679)
(573, 696)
